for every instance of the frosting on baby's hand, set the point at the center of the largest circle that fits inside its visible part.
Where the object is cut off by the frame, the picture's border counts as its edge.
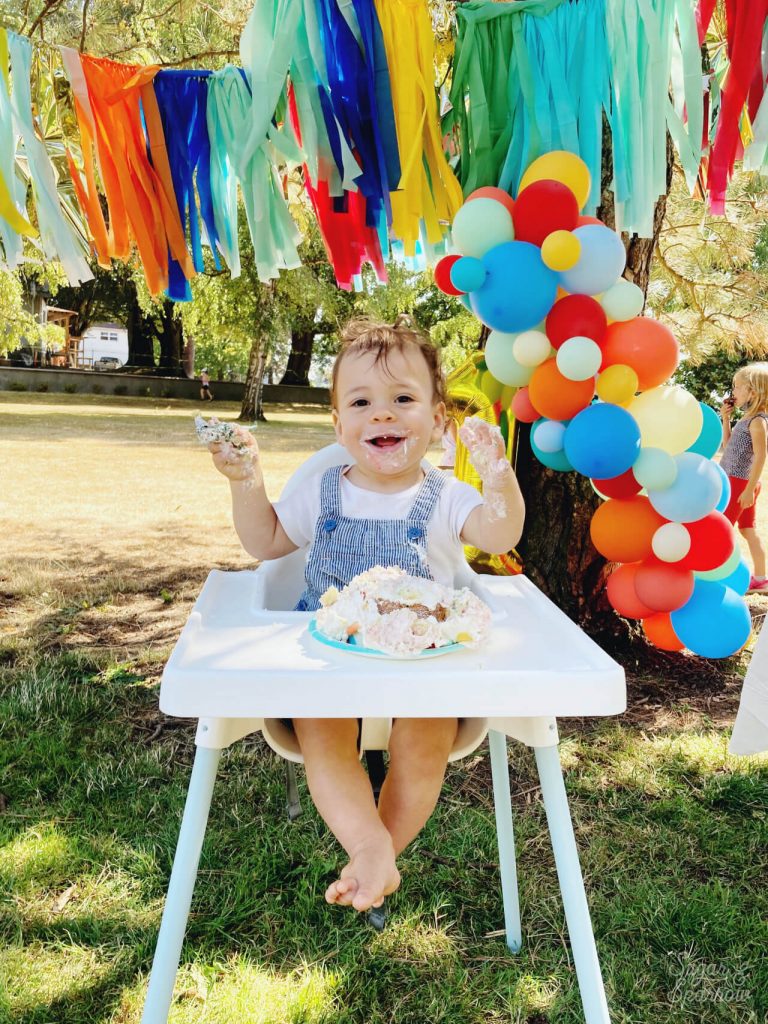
(487, 451)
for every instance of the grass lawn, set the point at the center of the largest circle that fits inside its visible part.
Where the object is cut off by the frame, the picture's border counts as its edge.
(112, 515)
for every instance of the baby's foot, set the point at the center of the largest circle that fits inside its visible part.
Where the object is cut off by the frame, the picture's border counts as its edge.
(370, 875)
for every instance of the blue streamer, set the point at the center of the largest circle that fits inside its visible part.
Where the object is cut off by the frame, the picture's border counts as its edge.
(182, 97)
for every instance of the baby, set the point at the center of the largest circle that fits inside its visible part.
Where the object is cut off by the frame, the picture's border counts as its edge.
(382, 508)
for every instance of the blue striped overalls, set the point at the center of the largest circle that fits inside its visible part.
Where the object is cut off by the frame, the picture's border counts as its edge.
(343, 547)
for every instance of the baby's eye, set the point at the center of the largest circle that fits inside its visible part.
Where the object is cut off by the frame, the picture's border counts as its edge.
(404, 398)
(359, 403)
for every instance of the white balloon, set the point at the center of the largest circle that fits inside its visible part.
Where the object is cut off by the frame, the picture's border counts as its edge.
(481, 225)
(579, 358)
(531, 348)
(671, 542)
(669, 417)
(623, 301)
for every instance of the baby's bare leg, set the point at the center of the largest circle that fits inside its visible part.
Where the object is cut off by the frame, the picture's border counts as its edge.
(418, 754)
(342, 794)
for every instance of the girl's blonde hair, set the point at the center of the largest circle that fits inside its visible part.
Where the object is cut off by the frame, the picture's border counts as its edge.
(368, 335)
(755, 376)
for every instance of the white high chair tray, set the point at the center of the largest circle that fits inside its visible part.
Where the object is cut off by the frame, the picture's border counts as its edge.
(237, 659)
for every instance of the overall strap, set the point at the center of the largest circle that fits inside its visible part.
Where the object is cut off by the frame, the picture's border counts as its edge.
(330, 492)
(428, 495)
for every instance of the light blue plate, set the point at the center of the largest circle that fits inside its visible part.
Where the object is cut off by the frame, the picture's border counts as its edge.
(354, 648)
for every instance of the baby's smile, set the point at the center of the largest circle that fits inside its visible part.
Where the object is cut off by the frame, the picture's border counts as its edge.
(386, 442)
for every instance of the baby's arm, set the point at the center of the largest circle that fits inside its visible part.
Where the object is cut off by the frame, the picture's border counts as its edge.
(256, 522)
(497, 524)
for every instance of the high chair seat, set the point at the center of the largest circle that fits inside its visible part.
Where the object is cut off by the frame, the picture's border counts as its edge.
(244, 660)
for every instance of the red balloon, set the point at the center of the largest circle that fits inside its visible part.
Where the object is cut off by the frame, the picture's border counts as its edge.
(646, 345)
(489, 192)
(442, 274)
(522, 407)
(543, 207)
(622, 594)
(661, 586)
(576, 316)
(583, 219)
(658, 629)
(622, 486)
(712, 542)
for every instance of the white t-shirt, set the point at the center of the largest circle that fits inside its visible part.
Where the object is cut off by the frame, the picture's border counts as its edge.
(299, 512)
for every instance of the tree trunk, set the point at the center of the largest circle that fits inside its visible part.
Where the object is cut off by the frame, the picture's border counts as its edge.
(297, 370)
(171, 339)
(556, 548)
(252, 409)
(140, 348)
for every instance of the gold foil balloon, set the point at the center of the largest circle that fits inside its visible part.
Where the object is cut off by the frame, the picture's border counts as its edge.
(470, 390)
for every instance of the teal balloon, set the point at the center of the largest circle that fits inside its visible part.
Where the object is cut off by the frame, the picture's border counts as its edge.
(722, 571)
(553, 460)
(725, 494)
(739, 578)
(711, 436)
(714, 622)
(467, 274)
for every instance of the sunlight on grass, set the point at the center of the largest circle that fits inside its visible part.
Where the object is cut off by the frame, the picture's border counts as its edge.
(41, 854)
(241, 992)
(413, 941)
(42, 975)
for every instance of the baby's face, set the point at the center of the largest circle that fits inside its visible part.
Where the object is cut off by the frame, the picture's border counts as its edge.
(386, 415)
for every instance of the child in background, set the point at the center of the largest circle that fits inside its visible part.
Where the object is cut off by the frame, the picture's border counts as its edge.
(388, 407)
(744, 458)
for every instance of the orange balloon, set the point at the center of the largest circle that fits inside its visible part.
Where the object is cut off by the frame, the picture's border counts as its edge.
(489, 192)
(556, 397)
(647, 346)
(658, 629)
(622, 595)
(622, 528)
(663, 587)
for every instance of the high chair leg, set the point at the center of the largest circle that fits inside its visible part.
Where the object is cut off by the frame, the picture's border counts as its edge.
(293, 800)
(505, 836)
(179, 898)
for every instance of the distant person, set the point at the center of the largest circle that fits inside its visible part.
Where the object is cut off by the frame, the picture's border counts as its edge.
(206, 395)
(744, 459)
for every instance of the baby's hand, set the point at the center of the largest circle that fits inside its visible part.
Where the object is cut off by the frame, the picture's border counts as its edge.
(486, 451)
(234, 449)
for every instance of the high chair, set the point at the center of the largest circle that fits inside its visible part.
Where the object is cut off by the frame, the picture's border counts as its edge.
(245, 660)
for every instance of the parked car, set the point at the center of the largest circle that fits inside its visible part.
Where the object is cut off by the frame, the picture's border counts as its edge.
(107, 363)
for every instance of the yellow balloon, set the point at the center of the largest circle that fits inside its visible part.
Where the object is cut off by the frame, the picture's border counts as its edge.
(669, 417)
(490, 386)
(561, 250)
(564, 167)
(507, 395)
(617, 384)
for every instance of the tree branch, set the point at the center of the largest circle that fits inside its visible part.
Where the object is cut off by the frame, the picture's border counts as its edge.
(48, 8)
(86, 4)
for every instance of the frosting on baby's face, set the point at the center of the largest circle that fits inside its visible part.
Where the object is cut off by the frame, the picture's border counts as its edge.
(386, 416)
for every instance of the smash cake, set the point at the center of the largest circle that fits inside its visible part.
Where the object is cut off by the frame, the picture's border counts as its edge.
(387, 610)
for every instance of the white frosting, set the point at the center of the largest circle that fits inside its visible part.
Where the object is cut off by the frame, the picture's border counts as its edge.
(355, 611)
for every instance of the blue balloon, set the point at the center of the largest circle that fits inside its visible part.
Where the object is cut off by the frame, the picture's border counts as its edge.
(602, 441)
(711, 436)
(553, 460)
(519, 288)
(725, 494)
(739, 578)
(467, 274)
(600, 263)
(695, 492)
(714, 622)
(549, 435)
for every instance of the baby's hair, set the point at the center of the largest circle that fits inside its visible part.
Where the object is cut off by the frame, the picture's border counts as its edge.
(368, 335)
(755, 376)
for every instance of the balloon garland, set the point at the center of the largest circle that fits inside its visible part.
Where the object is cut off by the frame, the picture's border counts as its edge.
(570, 351)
